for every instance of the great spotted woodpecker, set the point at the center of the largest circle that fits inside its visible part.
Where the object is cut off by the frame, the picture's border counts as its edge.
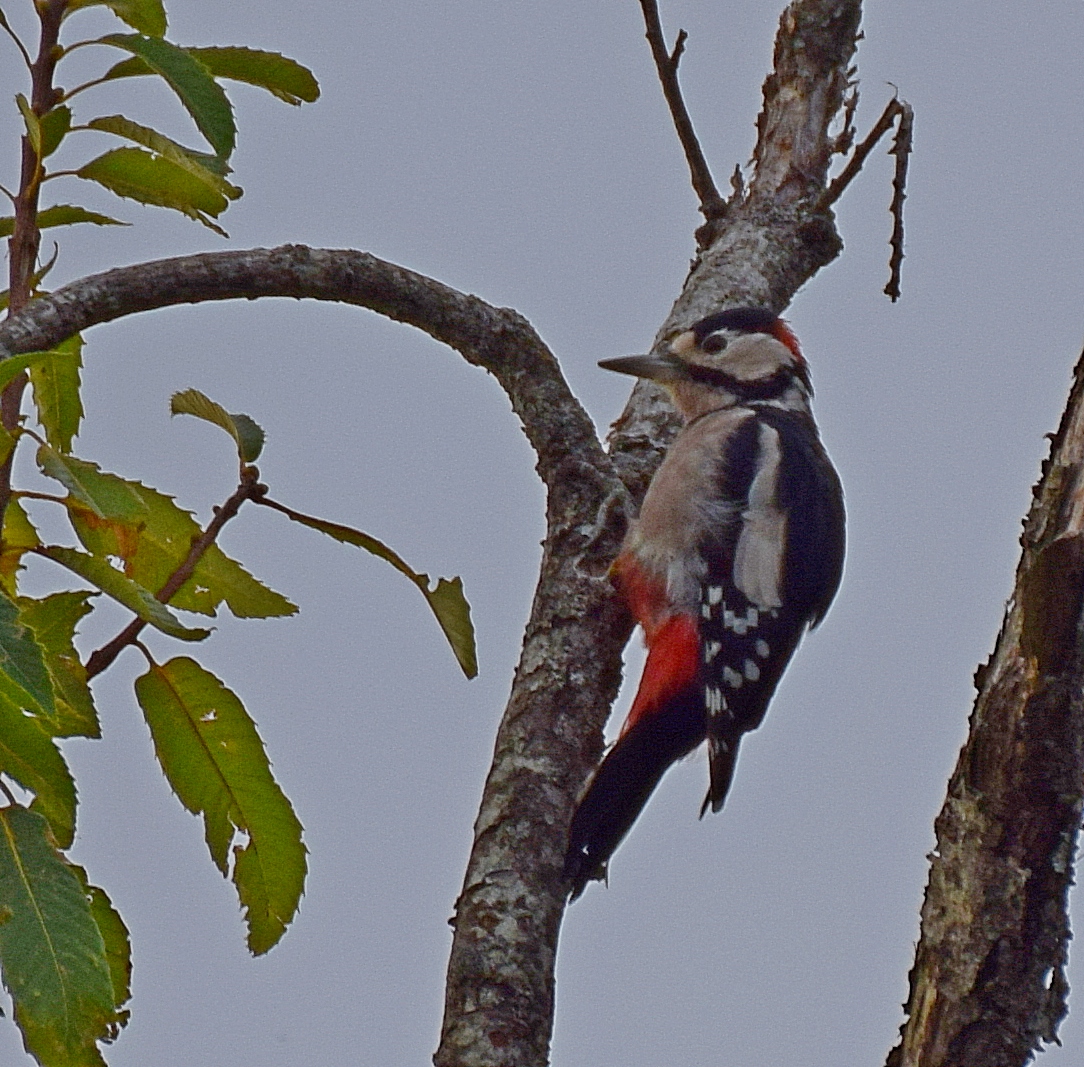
(737, 551)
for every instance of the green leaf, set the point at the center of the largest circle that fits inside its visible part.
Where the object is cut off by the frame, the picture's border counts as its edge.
(54, 957)
(118, 944)
(106, 495)
(207, 168)
(7, 445)
(201, 95)
(158, 181)
(61, 215)
(55, 125)
(53, 620)
(19, 537)
(146, 16)
(32, 124)
(246, 432)
(215, 761)
(135, 598)
(56, 392)
(30, 757)
(453, 613)
(285, 78)
(23, 675)
(446, 601)
(160, 544)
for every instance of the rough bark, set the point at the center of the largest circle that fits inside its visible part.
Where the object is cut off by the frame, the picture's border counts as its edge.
(989, 982)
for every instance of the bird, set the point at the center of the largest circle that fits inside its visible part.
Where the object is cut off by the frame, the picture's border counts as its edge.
(736, 553)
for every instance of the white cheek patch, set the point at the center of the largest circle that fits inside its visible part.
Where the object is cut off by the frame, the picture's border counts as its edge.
(758, 557)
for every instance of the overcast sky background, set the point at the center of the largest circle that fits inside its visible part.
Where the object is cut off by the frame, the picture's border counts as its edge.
(523, 152)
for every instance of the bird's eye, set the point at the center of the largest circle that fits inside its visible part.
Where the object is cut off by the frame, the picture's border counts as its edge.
(714, 342)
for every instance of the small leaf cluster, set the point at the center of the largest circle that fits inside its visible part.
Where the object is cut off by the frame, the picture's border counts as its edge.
(150, 167)
(65, 953)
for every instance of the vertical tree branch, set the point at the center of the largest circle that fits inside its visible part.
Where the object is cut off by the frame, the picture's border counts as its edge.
(988, 982)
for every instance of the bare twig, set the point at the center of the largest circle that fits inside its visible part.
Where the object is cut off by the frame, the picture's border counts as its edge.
(248, 489)
(888, 117)
(901, 149)
(712, 205)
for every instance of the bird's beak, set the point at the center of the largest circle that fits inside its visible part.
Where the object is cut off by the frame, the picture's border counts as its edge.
(660, 369)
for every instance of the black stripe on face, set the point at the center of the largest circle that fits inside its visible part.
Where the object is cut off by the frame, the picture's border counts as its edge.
(762, 389)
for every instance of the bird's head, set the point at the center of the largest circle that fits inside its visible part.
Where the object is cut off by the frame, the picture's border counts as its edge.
(736, 356)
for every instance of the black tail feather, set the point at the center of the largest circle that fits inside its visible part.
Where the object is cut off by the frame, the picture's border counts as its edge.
(624, 781)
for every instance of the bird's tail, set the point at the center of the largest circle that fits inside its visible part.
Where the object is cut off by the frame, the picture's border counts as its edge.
(624, 781)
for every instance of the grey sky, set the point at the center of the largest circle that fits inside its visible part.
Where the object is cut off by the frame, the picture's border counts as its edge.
(522, 152)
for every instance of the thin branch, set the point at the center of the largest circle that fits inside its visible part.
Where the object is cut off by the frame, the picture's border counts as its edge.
(248, 489)
(835, 190)
(6, 27)
(901, 149)
(712, 205)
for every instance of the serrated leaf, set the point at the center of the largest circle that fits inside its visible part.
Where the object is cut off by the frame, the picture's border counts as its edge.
(54, 957)
(446, 600)
(201, 95)
(146, 16)
(245, 431)
(453, 613)
(158, 181)
(55, 125)
(106, 495)
(161, 542)
(23, 675)
(19, 537)
(134, 597)
(284, 77)
(54, 620)
(61, 215)
(215, 761)
(118, 944)
(56, 385)
(207, 168)
(31, 122)
(29, 756)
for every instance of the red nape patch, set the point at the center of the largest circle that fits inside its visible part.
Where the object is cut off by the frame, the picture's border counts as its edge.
(783, 333)
(673, 659)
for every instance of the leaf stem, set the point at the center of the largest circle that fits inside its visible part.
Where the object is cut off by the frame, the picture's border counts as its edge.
(248, 489)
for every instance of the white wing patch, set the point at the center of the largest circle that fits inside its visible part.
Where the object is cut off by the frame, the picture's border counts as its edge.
(758, 557)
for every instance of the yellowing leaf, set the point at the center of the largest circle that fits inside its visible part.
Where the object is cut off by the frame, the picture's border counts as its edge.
(107, 495)
(215, 761)
(19, 537)
(155, 548)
